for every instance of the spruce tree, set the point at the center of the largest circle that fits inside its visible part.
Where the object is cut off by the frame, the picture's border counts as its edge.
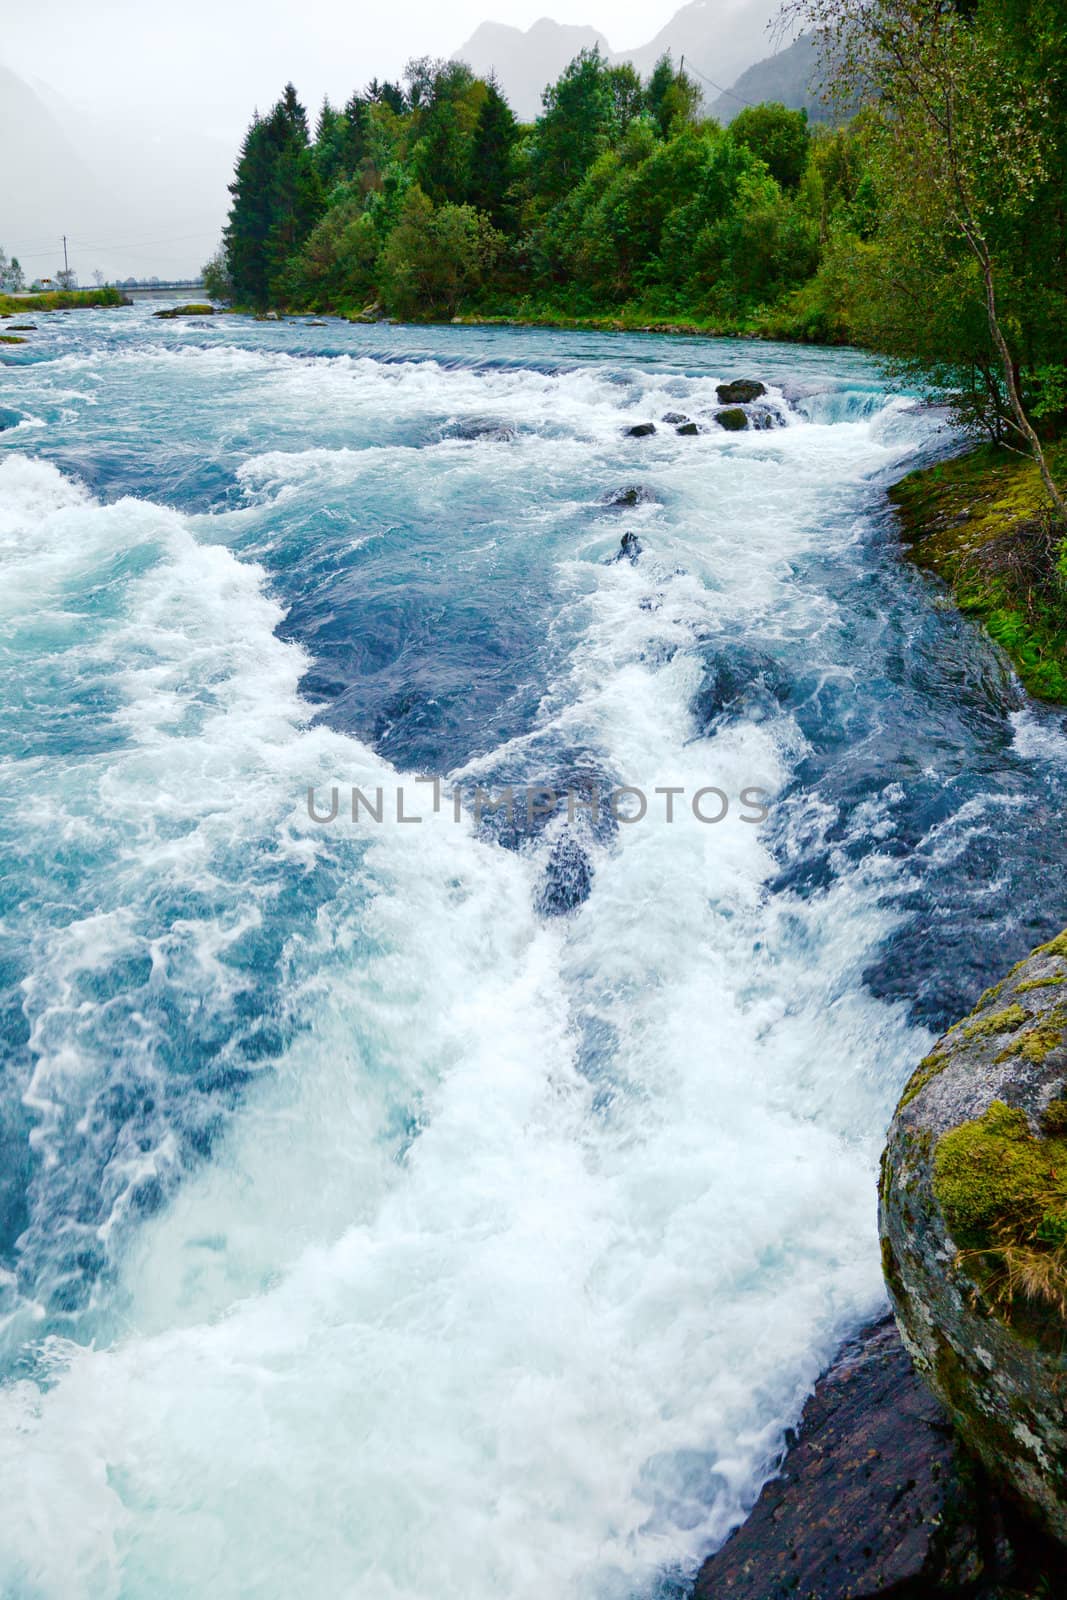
(296, 200)
(248, 229)
(494, 138)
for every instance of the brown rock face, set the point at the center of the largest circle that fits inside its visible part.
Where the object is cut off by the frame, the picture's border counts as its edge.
(973, 1220)
(874, 1498)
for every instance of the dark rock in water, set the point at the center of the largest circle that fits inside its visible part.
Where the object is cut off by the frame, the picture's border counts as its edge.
(740, 392)
(21, 327)
(640, 430)
(687, 428)
(629, 548)
(568, 879)
(480, 428)
(674, 416)
(874, 1494)
(740, 679)
(9, 419)
(625, 499)
(876, 1500)
(733, 419)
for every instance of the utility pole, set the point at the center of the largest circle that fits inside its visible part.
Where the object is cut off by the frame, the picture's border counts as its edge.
(66, 268)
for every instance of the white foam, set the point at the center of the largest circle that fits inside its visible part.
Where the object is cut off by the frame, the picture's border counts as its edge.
(456, 1307)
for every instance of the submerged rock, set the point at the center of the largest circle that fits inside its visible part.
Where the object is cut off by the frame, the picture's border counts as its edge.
(874, 1494)
(629, 548)
(973, 1219)
(568, 879)
(480, 428)
(740, 392)
(625, 499)
(739, 679)
(640, 430)
(687, 428)
(674, 417)
(733, 419)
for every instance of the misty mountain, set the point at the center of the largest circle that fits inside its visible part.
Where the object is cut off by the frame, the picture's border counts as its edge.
(792, 77)
(524, 62)
(150, 204)
(717, 38)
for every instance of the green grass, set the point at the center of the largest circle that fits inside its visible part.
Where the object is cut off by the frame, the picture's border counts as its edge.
(982, 523)
(61, 300)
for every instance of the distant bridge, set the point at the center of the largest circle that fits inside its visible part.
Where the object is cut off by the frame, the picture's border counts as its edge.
(161, 288)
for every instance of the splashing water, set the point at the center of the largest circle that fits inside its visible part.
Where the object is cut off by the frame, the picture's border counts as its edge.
(368, 1229)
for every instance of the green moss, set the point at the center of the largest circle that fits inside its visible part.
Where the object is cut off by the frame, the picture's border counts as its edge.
(1000, 1022)
(928, 1068)
(1041, 983)
(968, 520)
(1036, 1043)
(999, 1186)
(986, 999)
(195, 310)
(1055, 947)
(732, 418)
(11, 338)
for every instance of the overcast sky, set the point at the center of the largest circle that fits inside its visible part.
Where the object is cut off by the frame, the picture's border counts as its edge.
(213, 60)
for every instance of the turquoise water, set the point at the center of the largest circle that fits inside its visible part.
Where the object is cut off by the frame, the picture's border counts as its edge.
(459, 1208)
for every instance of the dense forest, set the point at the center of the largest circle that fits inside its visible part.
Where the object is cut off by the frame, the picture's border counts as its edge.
(929, 224)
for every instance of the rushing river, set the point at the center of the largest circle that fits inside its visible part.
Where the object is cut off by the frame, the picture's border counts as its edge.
(459, 1210)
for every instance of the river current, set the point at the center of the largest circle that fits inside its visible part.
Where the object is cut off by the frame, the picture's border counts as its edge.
(460, 1208)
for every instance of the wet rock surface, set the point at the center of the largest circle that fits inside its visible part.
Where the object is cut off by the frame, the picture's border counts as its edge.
(733, 419)
(876, 1500)
(973, 1219)
(625, 499)
(741, 392)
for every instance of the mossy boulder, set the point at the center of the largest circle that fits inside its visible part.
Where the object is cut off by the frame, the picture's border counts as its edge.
(197, 310)
(739, 393)
(973, 1218)
(733, 419)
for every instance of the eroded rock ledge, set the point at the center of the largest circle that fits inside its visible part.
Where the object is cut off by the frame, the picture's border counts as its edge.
(877, 1500)
(974, 1229)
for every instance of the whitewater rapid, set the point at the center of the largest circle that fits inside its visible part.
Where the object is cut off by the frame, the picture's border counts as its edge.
(369, 1231)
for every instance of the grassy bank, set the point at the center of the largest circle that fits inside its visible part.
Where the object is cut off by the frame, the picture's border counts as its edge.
(61, 300)
(980, 522)
(790, 320)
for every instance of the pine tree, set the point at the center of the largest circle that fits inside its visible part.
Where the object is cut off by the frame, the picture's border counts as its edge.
(249, 224)
(494, 139)
(296, 200)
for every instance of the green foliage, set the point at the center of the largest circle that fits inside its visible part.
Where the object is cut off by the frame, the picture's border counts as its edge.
(277, 198)
(779, 137)
(436, 256)
(492, 167)
(63, 300)
(216, 276)
(12, 277)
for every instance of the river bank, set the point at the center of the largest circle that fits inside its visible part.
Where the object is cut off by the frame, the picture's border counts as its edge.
(979, 521)
(12, 305)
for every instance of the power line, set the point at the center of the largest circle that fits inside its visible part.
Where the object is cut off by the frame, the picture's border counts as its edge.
(714, 85)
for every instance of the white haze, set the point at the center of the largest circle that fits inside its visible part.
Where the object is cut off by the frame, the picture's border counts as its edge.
(119, 122)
